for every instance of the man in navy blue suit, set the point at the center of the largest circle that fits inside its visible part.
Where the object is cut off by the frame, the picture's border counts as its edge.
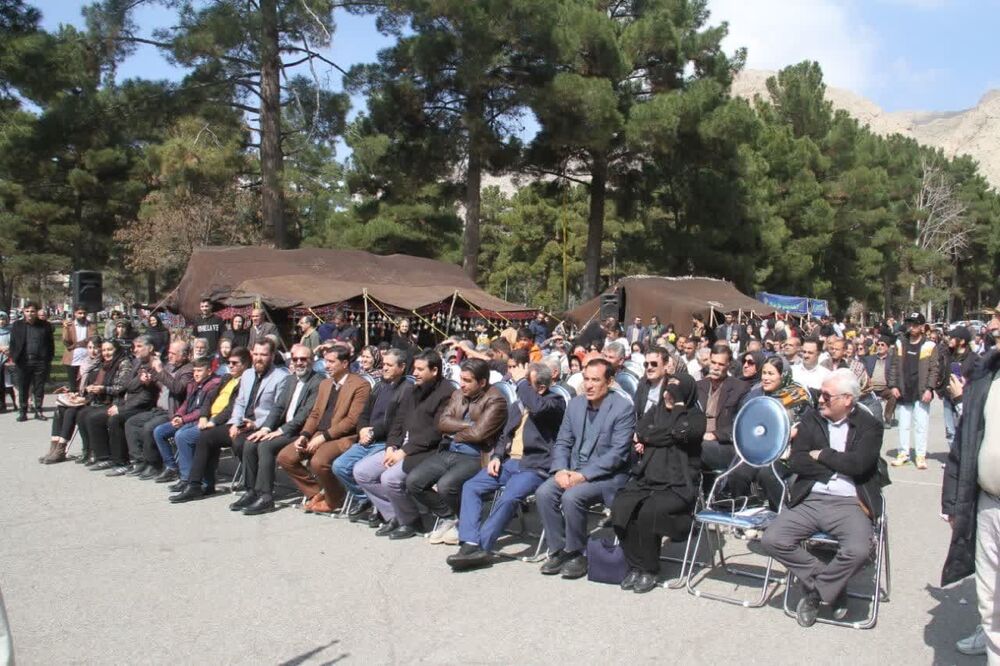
(589, 464)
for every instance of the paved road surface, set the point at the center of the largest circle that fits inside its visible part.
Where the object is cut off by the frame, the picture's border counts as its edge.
(106, 571)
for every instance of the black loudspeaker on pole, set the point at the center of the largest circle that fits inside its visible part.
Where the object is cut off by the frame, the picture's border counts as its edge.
(87, 290)
(612, 306)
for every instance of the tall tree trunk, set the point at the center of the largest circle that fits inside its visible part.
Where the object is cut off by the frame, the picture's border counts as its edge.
(595, 226)
(151, 287)
(473, 196)
(271, 160)
(473, 183)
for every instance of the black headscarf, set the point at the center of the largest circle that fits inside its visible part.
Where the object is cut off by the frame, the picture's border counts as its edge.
(758, 359)
(661, 426)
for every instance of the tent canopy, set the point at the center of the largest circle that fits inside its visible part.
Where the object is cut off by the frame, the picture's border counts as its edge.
(238, 276)
(673, 300)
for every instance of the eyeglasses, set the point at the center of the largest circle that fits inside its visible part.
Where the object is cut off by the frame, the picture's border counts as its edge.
(300, 359)
(749, 361)
(650, 364)
(826, 396)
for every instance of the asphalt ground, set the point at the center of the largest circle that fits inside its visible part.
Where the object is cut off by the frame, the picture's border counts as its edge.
(105, 571)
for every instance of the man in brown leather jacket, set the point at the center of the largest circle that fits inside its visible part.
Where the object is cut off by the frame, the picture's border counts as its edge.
(470, 424)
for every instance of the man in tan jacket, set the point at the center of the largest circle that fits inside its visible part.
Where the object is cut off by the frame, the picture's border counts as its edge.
(75, 333)
(330, 429)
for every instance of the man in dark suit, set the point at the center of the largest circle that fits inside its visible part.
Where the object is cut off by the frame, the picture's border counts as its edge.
(589, 464)
(724, 330)
(260, 447)
(260, 327)
(635, 332)
(720, 396)
(519, 464)
(32, 348)
(330, 429)
(835, 456)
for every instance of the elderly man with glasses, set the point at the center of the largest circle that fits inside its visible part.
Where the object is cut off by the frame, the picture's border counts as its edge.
(835, 455)
(296, 398)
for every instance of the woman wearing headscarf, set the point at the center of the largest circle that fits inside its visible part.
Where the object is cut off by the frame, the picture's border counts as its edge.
(237, 332)
(124, 334)
(159, 334)
(750, 366)
(6, 367)
(106, 390)
(659, 497)
(69, 403)
(775, 382)
(370, 361)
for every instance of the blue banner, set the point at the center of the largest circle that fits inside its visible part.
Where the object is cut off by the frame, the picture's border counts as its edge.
(796, 305)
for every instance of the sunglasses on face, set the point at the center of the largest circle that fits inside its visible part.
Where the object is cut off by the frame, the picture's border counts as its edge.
(650, 364)
(749, 361)
(826, 396)
(300, 359)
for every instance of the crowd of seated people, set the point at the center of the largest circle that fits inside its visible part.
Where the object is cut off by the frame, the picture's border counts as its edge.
(422, 439)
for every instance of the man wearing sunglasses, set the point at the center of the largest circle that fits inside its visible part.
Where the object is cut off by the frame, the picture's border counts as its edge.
(835, 455)
(648, 393)
(260, 447)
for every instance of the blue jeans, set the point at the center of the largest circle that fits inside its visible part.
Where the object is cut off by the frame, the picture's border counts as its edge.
(343, 465)
(517, 485)
(161, 434)
(185, 439)
(949, 422)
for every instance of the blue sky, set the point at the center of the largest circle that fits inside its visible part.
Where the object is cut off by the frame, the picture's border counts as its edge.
(928, 55)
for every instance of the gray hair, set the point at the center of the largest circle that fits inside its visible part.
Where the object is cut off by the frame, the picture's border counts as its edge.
(616, 348)
(398, 356)
(703, 354)
(847, 382)
(144, 340)
(543, 374)
(203, 341)
(554, 364)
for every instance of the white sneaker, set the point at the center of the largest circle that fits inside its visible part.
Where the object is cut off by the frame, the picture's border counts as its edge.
(974, 644)
(451, 536)
(444, 526)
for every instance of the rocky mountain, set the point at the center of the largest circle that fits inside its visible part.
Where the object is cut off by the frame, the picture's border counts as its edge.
(974, 131)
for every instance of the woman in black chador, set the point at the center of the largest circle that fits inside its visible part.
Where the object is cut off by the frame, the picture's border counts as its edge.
(659, 498)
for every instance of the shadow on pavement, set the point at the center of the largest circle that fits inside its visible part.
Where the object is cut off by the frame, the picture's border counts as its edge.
(306, 656)
(952, 621)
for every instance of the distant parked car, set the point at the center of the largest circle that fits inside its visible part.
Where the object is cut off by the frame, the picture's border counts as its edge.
(975, 326)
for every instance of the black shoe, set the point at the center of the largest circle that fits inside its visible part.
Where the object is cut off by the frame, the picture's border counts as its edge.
(137, 469)
(22, 417)
(248, 498)
(150, 473)
(554, 563)
(646, 582)
(120, 470)
(39, 416)
(469, 556)
(358, 511)
(83, 458)
(387, 528)
(168, 475)
(101, 465)
(263, 504)
(193, 491)
(840, 606)
(575, 568)
(375, 520)
(404, 532)
(629, 581)
(177, 487)
(807, 608)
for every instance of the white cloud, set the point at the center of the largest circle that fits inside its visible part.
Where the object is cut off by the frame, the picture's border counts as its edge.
(778, 33)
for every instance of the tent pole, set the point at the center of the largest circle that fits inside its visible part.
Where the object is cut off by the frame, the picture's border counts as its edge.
(451, 311)
(364, 295)
(259, 303)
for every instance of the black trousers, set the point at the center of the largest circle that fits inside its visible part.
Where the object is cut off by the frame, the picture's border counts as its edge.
(740, 479)
(72, 376)
(64, 422)
(139, 436)
(104, 435)
(260, 462)
(206, 455)
(716, 456)
(31, 378)
(447, 469)
(657, 516)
